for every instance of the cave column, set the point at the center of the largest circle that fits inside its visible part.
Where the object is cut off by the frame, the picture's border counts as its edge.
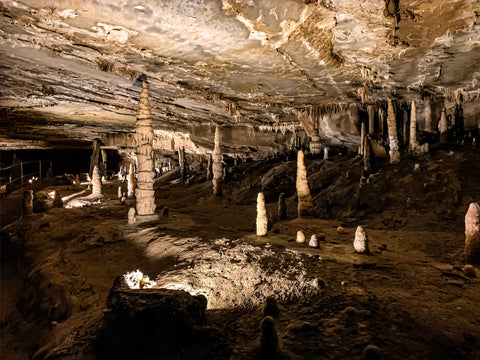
(217, 166)
(392, 134)
(371, 119)
(413, 128)
(144, 192)
(131, 181)
(305, 201)
(95, 154)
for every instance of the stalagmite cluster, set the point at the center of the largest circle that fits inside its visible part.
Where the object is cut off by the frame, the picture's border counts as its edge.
(131, 181)
(96, 181)
(262, 220)
(360, 243)
(305, 201)
(145, 194)
(472, 234)
(392, 134)
(217, 167)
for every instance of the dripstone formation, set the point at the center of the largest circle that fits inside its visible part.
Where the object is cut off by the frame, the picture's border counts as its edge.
(305, 201)
(28, 202)
(262, 220)
(144, 139)
(282, 207)
(392, 134)
(96, 182)
(131, 181)
(217, 167)
(360, 244)
(472, 234)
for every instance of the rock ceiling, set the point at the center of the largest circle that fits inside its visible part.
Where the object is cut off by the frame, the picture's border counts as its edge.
(70, 69)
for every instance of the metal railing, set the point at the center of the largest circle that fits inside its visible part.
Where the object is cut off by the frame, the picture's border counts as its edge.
(24, 171)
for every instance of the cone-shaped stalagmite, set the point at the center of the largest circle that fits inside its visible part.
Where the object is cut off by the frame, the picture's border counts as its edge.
(96, 181)
(392, 134)
(144, 140)
(131, 181)
(360, 244)
(262, 220)
(305, 202)
(282, 207)
(472, 234)
(443, 126)
(413, 128)
(217, 166)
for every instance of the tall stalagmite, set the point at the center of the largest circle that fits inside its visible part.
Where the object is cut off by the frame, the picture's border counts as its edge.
(131, 181)
(392, 134)
(472, 234)
(96, 181)
(413, 128)
(262, 220)
(217, 166)
(305, 202)
(144, 140)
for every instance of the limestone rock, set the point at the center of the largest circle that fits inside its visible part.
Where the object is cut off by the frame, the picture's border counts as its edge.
(96, 181)
(282, 207)
(57, 199)
(472, 234)
(371, 352)
(305, 201)
(360, 243)
(262, 220)
(341, 230)
(131, 216)
(28, 202)
(300, 236)
(313, 241)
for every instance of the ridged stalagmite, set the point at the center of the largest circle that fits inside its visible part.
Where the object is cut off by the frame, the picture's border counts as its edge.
(413, 128)
(305, 201)
(392, 134)
(217, 167)
(262, 220)
(472, 234)
(131, 181)
(96, 181)
(144, 193)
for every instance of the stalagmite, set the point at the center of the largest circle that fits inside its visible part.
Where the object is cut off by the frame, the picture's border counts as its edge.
(313, 241)
(209, 167)
(381, 121)
(371, 119)
(95, 155)
(392, 134)
(362, 138)
(443, 126)
(96, 182)
(57, 199)
(282, 207)
(325, 153)
(144, 193)
(28, 202)
(305, 202)
(269, 339)
(119, 193)
(262, 220)
(217, 166)
(413, 129)
(315, 146)
(428, 116)
(131, 216)
(131, 181)
(360, 244)
(300, 236)
(472, 234)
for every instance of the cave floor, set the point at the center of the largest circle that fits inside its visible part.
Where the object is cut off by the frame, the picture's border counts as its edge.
(410, 296)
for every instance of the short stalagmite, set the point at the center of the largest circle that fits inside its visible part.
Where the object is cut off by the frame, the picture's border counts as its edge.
(131, 181)
(262, 220)
(269, 339)
(392, 134)
(217, 166)
(131, 216)
(144, 193)
(300, 237)
(282, 207)
(77, 179)
(28, 202)
(313, 241)
(443, 127)
(96, 181)
(360, 244)
(305, 201)
(325, 153)
(413, 129)
(57, 199)
(472, 234)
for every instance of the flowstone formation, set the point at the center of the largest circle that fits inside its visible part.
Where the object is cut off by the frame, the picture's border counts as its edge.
(392, 134)
(144, 140)
(217, 167)
(472, 234)
(131, 181)
(96, 181)
(305, 201)
(262, 220)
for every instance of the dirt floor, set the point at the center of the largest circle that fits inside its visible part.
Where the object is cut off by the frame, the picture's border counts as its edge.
(410, 297)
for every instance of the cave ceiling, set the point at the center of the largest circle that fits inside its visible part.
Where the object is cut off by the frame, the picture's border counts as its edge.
(71, 70)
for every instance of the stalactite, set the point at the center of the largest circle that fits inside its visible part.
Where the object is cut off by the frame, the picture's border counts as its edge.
(392, 134)
(144, 192)
(131, 181)
(405, 127)
(305, 201)
(381, 122)
(413, 129)
(217, 165)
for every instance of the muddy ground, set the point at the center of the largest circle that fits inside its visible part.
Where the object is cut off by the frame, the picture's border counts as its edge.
(409, 297)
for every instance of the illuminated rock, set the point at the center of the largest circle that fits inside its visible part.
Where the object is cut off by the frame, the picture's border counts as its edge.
(360, 244)
(268, 339)
(314, 241)
(217, 166)
(392, 134)
(472, 234)
(57, 199)
(28, 202)
(96, 181)
(131, 181)
(262, 220)
(300, 237)
(282, 207)
(305, 201)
